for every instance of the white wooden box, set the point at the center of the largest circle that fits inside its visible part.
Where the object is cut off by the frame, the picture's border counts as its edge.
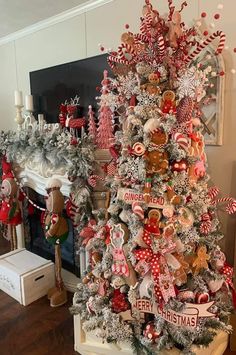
(25, 276)
(89, 344)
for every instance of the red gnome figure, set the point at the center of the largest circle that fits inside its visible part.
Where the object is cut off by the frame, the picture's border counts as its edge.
(10, 212)
(56, 232)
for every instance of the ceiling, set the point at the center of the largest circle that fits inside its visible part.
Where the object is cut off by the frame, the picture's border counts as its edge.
(18, 14)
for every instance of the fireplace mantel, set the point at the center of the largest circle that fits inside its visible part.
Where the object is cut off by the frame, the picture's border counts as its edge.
(37, 182)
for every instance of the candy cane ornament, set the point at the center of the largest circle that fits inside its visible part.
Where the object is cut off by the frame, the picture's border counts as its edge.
(210, 39)
(231, 207)
(161, 45)
(128, 50)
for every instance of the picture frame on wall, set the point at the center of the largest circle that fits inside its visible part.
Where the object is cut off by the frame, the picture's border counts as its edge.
(213, 113)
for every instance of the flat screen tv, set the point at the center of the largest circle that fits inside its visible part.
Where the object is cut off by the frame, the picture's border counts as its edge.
(52, 86)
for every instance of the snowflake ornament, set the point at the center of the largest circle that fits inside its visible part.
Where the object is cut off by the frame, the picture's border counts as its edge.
(188, 83)
(133, 169)
(127, 85)
(145, 99)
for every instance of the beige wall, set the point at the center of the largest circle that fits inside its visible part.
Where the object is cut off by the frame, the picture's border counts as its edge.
(79, 37)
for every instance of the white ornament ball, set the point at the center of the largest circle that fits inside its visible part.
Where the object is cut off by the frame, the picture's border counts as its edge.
(212, 25)
(198, 23)
(220, 6)
(226, 48)
(213, 73)
(233, 71)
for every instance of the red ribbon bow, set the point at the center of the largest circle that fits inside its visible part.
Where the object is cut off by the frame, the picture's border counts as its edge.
(156, 261)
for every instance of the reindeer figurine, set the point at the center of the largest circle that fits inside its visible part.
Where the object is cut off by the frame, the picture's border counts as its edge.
(75, 124)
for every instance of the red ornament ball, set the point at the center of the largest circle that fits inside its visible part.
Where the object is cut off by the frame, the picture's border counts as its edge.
(222, 73)
(179, 166)
(217, 16)
(234, 50)
(127, 26)
(205, 33)
(150, 332)
(102, 49)
(202, 298)
(203, 14)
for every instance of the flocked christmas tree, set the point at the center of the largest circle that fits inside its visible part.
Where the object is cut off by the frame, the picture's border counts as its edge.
(159, 279)
(105, 126)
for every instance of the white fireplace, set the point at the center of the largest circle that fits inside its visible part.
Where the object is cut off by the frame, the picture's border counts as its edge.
(35, 176)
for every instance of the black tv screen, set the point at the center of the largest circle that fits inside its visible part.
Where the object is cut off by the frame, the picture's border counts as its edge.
(52, 86)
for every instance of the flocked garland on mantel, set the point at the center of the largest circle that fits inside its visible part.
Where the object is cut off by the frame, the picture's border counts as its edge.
(50, 152)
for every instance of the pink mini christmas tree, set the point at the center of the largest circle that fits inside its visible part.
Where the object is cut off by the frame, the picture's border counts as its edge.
(92, 129)
(105, 126)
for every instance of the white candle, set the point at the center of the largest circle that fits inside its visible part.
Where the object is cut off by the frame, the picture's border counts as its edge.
(18, 98)
(29, 106)
(40, 118)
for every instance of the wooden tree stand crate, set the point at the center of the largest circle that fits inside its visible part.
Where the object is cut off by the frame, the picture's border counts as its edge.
(25, 276)
(89, 344)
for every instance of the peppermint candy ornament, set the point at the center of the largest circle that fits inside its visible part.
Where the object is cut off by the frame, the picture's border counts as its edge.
(139, 149)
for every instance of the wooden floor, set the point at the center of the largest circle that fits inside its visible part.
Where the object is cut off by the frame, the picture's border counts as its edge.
(36, 329)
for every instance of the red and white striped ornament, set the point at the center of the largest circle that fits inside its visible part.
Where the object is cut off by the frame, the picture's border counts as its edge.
(138, 210)
(92, 180)
(205, 227)
(182, 141)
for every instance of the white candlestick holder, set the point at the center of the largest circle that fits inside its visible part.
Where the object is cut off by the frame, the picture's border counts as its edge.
(19, 118)
(30, 121)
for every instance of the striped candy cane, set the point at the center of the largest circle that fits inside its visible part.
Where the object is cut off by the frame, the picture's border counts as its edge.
(114, 59)
(128, 49)
(200, 47)
(161, 45)
(231, 207)
(140, 37)
(213, 192)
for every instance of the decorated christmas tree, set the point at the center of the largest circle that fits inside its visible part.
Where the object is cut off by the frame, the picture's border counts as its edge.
(158, 277)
